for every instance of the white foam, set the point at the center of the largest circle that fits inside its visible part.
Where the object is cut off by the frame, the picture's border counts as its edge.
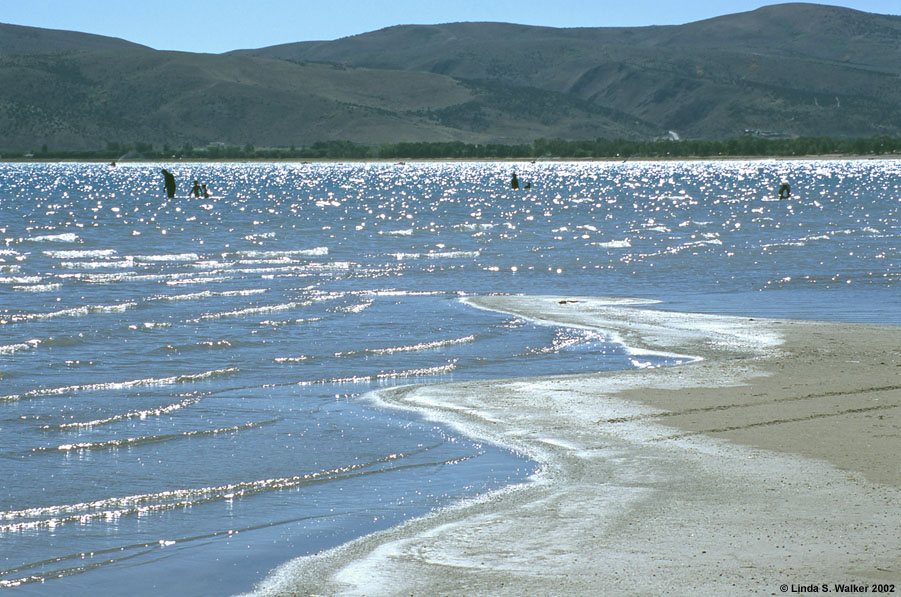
(38, 288)
(81, 254)
(119, 263)
(315, 252)
(121, 385)
(66, 237)
(615, 244)
(252, 311)
(437, 255)
(359, 307)
(73, 312)
(411, 348)
(12, 348)
(403, 292)
(475, 226)
(175, 258)
(437, 370)
(20, 279)
(207, 294)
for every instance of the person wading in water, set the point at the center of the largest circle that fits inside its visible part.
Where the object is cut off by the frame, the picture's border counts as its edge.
(169, 183)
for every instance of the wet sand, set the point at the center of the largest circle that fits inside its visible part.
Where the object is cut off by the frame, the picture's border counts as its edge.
(770, 463)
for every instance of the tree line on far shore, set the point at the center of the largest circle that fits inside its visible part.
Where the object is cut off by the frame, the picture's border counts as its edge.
(746, 146)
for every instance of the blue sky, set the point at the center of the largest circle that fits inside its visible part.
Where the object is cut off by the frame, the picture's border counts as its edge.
(222, 25)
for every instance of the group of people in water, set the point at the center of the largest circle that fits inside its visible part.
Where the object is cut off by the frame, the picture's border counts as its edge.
(514, 183)
(198, 190)
(784, 188)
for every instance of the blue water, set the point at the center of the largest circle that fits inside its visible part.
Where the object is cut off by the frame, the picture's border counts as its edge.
(183, 382)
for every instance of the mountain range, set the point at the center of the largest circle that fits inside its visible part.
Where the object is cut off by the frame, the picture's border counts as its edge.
(782, 70)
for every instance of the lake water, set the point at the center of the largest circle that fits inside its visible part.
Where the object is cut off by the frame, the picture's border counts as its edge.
(183, 381)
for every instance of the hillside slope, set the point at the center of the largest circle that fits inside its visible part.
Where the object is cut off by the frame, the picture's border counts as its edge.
(789, 69)
(20, 40)
(799, 68)
(85, 100)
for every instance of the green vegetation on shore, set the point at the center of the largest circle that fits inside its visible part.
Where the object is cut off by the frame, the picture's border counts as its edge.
(747, 146)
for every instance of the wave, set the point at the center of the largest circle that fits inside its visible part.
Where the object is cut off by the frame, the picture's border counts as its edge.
(615, 244)
(315, 252)
(13, 348)
(260, 236)
(119, 263)
(403, 292)
(297, 359)
(66, 237)
(64, 340)
(252, 311)
(81, 254)
(121, 385)
(474, 226)
(176, 257)
(206, 294)
(564, 339)
(152, 439)
(38, 288)
(135, 414)
(385, 351)
(352, 308)
(150, 325)
(439, 370)
(212, 264)
(278, 323)
(187, 281)
(49, 517)
(437, 255)
(20, 279)
(205, 345)
(109, 278)
(674, 250)
(800, 242)
(283, 260)
(73, 312)
(410, 348)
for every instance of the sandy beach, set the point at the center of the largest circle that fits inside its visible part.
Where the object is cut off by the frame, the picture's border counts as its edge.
(767, 464)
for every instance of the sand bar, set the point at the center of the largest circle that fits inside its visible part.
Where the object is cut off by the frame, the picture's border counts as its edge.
(771, 462)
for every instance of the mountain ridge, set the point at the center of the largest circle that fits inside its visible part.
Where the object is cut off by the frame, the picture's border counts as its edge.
(24, 40)
(788, 70)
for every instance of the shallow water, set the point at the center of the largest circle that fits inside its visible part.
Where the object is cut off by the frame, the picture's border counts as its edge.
(182, 381)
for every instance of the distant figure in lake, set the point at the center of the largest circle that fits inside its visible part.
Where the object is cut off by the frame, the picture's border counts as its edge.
(528, 185)
(170, 183)
(196, 189)
(784, 190)
(514, 182)
(206, 192)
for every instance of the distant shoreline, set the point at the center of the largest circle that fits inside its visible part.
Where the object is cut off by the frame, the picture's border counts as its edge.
(193, 160)
(600, 149)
